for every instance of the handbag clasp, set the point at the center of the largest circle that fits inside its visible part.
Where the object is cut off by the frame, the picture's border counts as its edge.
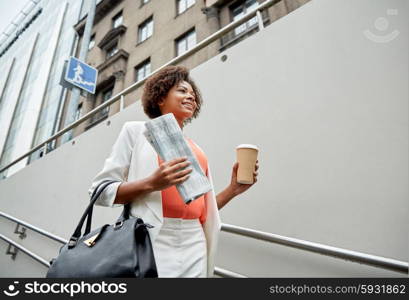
(91, 241)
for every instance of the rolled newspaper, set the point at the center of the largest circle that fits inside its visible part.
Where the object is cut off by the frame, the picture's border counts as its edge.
(166, 137)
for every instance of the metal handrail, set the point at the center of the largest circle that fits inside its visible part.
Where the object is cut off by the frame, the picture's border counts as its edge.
(137, 84)
(217, 271)
(25, 250)
(227, 274)
(34, 228)
(354, 256)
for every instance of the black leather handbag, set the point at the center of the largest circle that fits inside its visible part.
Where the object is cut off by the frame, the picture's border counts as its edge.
(123, 249)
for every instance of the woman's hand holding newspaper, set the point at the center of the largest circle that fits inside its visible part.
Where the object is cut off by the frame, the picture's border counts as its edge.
(169, 174)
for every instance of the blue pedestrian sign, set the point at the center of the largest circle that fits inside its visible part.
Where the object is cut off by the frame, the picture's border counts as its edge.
(81, 75)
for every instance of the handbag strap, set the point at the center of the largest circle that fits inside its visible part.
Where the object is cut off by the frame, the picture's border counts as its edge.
(124, 215)
(93, 199)
(88, 212)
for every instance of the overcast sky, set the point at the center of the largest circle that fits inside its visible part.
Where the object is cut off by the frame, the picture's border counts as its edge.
(8, 10)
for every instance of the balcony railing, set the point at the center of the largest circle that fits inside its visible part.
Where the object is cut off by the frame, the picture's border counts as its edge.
(98, 118)
(233, 37)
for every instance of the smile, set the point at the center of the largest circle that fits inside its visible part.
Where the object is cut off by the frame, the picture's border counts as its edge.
(189, 106)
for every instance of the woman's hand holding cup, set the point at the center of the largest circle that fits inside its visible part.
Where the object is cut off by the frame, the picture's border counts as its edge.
(245, 170)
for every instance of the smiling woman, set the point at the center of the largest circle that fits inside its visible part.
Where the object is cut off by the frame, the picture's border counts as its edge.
(172, 90)
(184, 236)
(180, 247)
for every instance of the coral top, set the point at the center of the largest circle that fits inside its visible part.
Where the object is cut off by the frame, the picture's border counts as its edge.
(174, 206)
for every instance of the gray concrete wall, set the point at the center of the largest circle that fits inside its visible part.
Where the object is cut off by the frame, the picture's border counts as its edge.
(328, 108)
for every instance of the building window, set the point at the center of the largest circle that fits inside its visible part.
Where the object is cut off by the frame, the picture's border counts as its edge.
(243, 8)
(142, 70)
(91, 42)
(117, 20)
(78, 112)
(145, 30)
(183, 5)
(112, 50)
(186, 42)
(106, 95)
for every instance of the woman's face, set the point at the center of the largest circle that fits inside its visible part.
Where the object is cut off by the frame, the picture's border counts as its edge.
(181, 101)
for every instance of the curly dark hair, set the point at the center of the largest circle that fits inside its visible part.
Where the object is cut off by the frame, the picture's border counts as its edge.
(158, 85)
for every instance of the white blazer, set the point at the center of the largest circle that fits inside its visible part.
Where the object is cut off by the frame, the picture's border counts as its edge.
(133, 158)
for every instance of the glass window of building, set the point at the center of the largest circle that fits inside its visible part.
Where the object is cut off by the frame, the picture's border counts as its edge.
(186, 42)
(112, 50)
(117, 20)
(142, 70)
(106, 95)
(78, 112)
(48, 122)
(240, 10)
(184, 5)
(91, 42)
(11, 148)
(145, 30)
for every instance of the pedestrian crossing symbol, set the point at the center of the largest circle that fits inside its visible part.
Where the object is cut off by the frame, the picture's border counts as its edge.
(81, 75)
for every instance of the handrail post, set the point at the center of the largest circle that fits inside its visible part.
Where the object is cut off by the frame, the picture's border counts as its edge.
(12, 253)
(260, 20)
(45, 148)
(21, 233)
(121, 106)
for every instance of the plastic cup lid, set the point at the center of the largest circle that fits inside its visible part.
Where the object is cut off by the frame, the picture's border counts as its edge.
(247, 146)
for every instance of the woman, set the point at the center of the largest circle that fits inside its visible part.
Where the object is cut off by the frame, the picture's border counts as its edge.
(184, 236)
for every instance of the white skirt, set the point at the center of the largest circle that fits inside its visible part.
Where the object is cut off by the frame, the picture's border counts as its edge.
(180, 249)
